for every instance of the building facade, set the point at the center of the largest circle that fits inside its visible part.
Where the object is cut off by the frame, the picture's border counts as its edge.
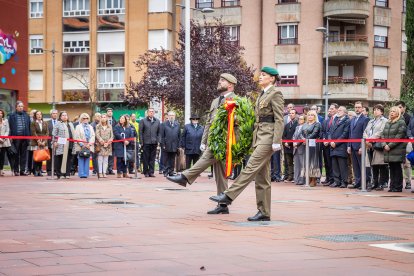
(13, 54)
(96, 42)
(366, 49)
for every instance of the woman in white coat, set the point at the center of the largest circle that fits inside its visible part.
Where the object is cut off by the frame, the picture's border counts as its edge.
(84, 132)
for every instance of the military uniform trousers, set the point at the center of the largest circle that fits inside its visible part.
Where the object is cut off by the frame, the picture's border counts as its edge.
(205, 161)
(258, 168)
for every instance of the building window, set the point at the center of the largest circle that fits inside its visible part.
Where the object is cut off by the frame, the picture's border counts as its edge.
(111, 60)
(230, 3)
(76, 46)
(110, 95)
(76, 7)
(111, 7)
(288, 34)
(75, 61)
(234, 34)
(36, 8)
(111, 78)
(201, 4)
(381, 3)
(380, 76)
(380, 37)
(36, 44)
(75, 95)
(287, 1)
(404, 6)
(288, 74)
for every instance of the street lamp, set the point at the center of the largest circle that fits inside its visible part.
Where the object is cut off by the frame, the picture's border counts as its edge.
(187, 53)
(53, 51)
(325, 32)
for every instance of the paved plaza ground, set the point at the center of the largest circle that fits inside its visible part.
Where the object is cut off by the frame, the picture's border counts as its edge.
(153, 227)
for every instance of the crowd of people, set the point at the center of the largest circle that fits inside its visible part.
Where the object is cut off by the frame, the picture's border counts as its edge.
(386, 163)
(133, 144)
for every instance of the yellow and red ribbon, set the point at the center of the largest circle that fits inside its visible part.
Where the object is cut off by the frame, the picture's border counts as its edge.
(230, 106)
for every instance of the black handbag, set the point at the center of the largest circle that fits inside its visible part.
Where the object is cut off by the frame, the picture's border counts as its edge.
(378, 146)
(84, 153)
(130, 155)
(11, 151)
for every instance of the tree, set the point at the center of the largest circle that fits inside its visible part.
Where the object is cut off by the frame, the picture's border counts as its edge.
(407, 87)
(212, 53)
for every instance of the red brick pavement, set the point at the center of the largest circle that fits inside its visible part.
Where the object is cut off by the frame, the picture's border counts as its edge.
(57, 228)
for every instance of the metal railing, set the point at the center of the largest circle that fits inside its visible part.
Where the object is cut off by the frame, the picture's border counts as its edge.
(344, 38)
(342, 80)
(204, 4)
(230, 3)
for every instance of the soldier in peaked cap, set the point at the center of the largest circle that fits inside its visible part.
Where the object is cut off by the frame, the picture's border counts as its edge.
(267, 137)
(225, 87)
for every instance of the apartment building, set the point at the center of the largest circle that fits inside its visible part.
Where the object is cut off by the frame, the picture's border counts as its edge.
(95, 43)
(366, 49)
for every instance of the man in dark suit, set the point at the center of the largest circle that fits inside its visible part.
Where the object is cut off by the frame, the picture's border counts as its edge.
(340, 130)
(326, 128)
(191, 141)
(50, 125)
(357, 127)
(288, 132)
(170, 141)
(149, 137)
(112, 122)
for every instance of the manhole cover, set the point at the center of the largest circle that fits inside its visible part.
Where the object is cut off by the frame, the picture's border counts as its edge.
(259, 223)
(353, 208)
(394, 212)
(355, 238)
(172, 189)
(403, 247)
(293, 201)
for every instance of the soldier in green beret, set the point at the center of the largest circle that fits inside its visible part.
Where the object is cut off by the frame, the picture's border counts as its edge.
(267, 137)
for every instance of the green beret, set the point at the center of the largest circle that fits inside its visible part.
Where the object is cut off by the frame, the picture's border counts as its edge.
(229, 77)
(269, 70)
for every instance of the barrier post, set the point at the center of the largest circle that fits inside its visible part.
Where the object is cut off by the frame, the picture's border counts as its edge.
(52, 174)
(363, 166)
(135, 164)
(307, 163)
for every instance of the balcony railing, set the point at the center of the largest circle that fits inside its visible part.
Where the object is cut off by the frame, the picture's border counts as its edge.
(342, 80)
(230, 3)
(339, 38)
(286, 1)
(381, 3)
(288, 41)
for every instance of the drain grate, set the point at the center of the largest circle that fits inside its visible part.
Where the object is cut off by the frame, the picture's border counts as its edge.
(172, 189)
(116, 201)
(355, 238)
(345, 208)
(403, 247)
(259, 223)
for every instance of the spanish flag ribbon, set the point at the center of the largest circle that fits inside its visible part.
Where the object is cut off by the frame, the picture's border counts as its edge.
(230, 106)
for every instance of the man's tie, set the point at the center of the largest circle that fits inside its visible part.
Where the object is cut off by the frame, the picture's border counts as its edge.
(330, 122)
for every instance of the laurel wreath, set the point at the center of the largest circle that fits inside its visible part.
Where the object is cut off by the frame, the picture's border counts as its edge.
(244, 122)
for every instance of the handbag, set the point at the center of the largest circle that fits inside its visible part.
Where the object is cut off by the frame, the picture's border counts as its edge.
(130, 155)
(97, 147)
(84, 153)
(11, 151)
(378, 146)
(41, 155)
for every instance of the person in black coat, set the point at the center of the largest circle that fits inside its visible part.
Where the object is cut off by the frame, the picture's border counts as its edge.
(122, 131)
(149, 137)
(19, 123)
(326, 128)
(191, 140)
(356, 131)
(288, 132)
(170, 142)
(339, 155)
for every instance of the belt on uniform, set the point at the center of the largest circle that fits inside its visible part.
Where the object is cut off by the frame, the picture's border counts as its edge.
(266, 119)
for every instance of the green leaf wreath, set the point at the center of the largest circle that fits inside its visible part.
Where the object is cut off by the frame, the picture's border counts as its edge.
(243, 126)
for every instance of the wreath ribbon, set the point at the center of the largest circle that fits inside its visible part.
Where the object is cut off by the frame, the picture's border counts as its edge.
(230, 106)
